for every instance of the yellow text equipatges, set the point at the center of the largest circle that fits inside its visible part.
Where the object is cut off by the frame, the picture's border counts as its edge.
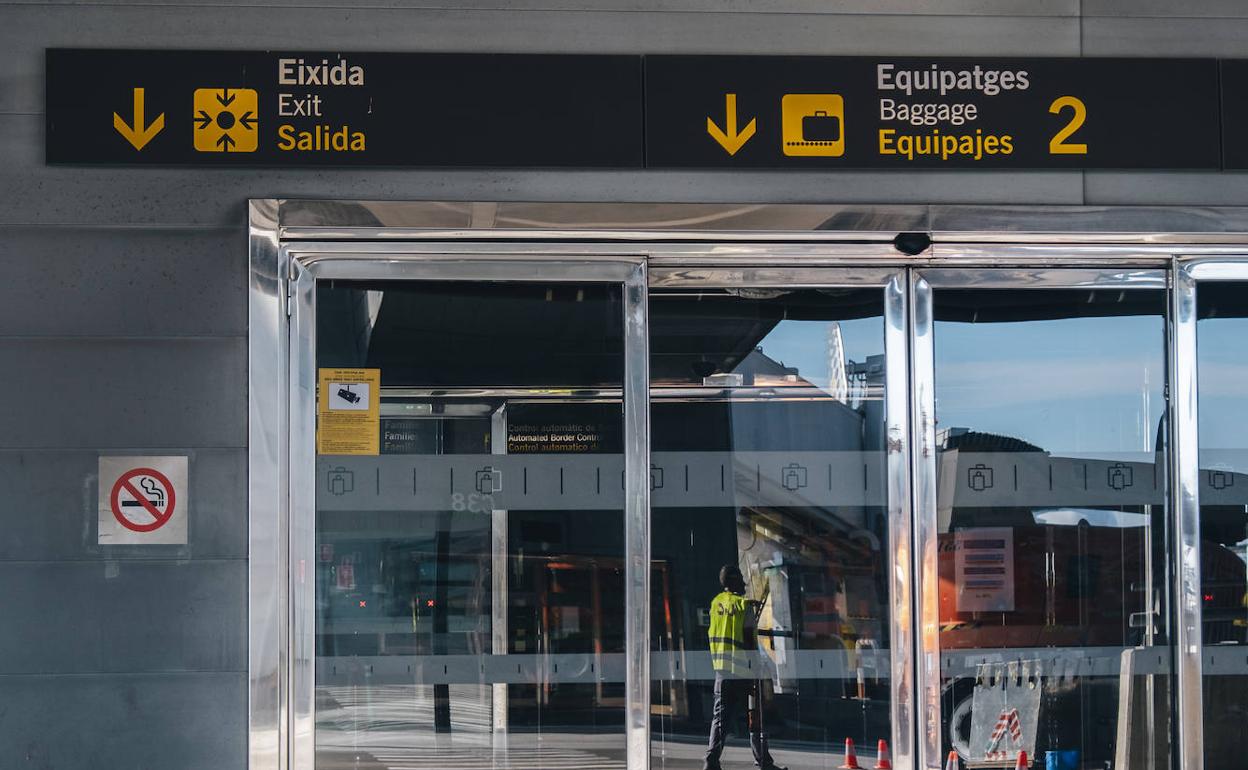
(945, 146)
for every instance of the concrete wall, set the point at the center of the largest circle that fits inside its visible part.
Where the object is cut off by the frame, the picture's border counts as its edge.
(122, 315)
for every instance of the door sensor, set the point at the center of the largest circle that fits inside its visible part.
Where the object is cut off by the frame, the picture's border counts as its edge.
(911, 244)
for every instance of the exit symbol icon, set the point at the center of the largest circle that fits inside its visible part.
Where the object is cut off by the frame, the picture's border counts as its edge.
(226, 119)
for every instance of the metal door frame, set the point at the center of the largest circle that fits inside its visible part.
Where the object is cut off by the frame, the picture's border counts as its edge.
(1187, 243)
(892, 282)
(287, 737)
(925, 282)
(313, 262)
(1190, 271)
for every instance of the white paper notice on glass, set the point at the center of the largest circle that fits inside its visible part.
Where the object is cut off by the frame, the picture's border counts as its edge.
(985, 569)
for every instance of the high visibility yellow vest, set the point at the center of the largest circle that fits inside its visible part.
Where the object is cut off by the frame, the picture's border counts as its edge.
(727, 635)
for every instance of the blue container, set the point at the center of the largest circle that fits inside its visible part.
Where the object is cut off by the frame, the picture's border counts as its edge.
(1062, 760)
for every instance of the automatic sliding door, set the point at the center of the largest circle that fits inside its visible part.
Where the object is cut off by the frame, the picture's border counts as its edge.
(777, 430)
(1221, 534)
(465, 597)
(1045, 585)
(472, 472)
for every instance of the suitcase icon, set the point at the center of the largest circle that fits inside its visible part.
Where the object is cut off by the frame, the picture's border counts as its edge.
(812, 125)
(821, 127)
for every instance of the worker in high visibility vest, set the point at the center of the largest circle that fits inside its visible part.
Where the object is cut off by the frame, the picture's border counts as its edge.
(733, 641)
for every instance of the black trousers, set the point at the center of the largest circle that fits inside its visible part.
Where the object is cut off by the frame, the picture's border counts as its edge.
(732, 698)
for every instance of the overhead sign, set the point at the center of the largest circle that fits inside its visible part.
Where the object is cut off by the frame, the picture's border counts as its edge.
(320, 108)
(142, 500)
(329, 108)
(889, 112)
(348, 415)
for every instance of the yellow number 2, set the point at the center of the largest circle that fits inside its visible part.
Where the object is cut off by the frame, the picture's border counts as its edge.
(1058, 144)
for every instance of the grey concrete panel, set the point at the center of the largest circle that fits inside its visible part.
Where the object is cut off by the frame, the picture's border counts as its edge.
(123, 616)
(1207, 38)
(52, 497)
(1166, 8)
(831, 7)
(210, 197)
(31, 29)
(109, 393)
(1227, 188)
(155, 722)
(110, 282)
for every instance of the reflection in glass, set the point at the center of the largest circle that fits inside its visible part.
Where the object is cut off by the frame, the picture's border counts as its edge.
(767, 436)
(469, 577)
(1051, 513)
(1222, 370)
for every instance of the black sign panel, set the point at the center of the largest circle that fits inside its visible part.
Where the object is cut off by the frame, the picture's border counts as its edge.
(563, 429)
(1235, 114)
(216, 108)
(291, 109)
(817, 112)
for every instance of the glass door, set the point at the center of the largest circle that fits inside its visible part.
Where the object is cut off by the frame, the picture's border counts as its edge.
(1042, 517)
(780, 629)
(553, 513)
(1216, 540)
(463, 589)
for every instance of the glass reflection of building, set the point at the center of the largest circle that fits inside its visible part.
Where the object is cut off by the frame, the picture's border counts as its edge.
(1052, 523)
(1050, 427)
(423, 584)
(794, 379)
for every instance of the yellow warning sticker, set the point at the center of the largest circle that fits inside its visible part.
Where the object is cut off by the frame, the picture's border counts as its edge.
(348, 412)
(226, 119)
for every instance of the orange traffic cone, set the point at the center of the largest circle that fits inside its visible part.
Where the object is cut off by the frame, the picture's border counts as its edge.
(851, 756)
(952, 762)
(1022, 763)
(883, 761)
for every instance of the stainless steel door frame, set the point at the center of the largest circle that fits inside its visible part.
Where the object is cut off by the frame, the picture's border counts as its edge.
(1127, 277)
(1141, 228)
(1185, 522)
(923, 562)
(1188, 274)
(892, 282)
(267, 510)
(744, 237)
(307, 266)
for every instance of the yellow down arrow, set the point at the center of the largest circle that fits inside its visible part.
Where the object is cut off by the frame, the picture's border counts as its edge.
(730, 140)
(138, 135)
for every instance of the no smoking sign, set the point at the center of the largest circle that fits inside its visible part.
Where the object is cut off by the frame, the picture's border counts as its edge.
(143, 500)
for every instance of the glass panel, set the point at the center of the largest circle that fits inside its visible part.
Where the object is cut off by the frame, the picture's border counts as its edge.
(469, 567)
(767, 419)
(1222, 358)
(1051, 513)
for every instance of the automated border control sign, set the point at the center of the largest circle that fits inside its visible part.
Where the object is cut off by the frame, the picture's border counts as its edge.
(143, 500)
